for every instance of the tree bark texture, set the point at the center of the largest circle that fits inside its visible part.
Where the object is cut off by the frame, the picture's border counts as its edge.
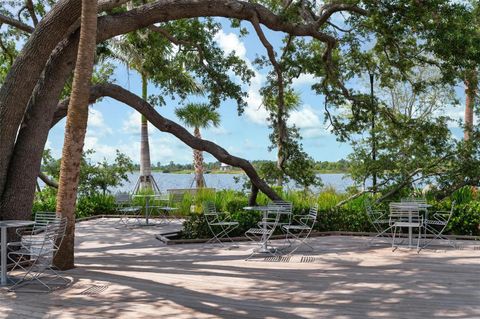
(75, 130)
(25, 72)
(16, 201)
(165, 125)
(145, 163)
(198, 162)
(252, 199)
(471, 87)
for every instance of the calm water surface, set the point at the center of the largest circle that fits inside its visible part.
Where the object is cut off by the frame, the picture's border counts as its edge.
(224, 181)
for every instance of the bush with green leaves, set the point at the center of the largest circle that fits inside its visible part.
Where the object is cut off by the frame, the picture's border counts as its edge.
(96, 204)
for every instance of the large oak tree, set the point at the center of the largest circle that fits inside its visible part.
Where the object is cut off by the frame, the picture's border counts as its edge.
(27, 103)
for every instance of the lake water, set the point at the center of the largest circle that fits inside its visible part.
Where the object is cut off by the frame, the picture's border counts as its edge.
(223, 181)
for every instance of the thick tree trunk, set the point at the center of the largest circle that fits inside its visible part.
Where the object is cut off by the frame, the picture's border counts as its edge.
(471, 86)
(165, 125)
(198, 162)
(16, 202)
(252, 199)
(75, 131)
(25, 72)
(280, 162)
(145, 164)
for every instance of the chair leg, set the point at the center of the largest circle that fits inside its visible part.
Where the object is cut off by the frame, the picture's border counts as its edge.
(419, 237)
(393, 238)
(222, 234)
(437, 235)
(380, 233)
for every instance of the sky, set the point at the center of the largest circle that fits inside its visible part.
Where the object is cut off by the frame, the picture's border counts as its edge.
(113, 125)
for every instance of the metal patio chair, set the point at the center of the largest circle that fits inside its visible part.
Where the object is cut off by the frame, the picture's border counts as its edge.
(301, 229)
(127, 210)
(279, 207)
(41, 220)
(35, 256)
(380, 222)
(263, 233)
(162, 207)
(33, 233)
(405, 216)
(437, 225)
(220, 226)
(418, 200)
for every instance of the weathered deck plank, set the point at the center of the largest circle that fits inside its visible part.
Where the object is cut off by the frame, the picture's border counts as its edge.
(129, 274)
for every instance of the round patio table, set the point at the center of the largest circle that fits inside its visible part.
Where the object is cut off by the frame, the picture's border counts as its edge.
(266, 210)
(4, 225)
(148, 208)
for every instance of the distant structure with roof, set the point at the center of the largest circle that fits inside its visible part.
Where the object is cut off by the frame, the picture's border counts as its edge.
(225, 167)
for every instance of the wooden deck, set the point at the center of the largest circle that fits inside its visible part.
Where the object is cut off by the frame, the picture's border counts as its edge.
(130, 274)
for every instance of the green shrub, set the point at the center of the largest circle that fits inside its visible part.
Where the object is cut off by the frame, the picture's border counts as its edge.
(349, 217)
(195, 226)
(465, 219)
(96, 204)
(464, 195)
(45, 201)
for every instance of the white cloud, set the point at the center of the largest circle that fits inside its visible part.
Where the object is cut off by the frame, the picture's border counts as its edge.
(132, 124)
(96, 123)
(219, 130)
(101, 150)
(305, 79)
(306, 117)
(166, 147)
(95, 118)
(308, 121)
(255, 111)
(456, 114)
(230, 42)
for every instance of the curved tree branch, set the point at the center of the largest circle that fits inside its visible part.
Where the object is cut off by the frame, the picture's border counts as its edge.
(165, 125)
(31, 11)
(15, 23)
(281, 112)
(47, 180)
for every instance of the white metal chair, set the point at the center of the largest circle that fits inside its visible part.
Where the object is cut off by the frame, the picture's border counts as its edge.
(268, 224)
(262, 234)
(220, 226)
(380, 221)
(35, 256)
(301, 229)
(126, 210)
(42, 219)
(161, 207)
(279, 207)
(405, 216)
(437, 225)
(417, 200)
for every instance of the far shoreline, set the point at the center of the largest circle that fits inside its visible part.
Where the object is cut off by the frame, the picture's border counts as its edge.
(232, 171)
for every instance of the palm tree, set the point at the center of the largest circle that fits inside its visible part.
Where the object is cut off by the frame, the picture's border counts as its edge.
(134, 58)
(471, 88)
(198, 115)
(75, 130)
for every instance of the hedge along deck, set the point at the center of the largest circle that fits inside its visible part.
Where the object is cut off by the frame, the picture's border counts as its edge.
(164, 237)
